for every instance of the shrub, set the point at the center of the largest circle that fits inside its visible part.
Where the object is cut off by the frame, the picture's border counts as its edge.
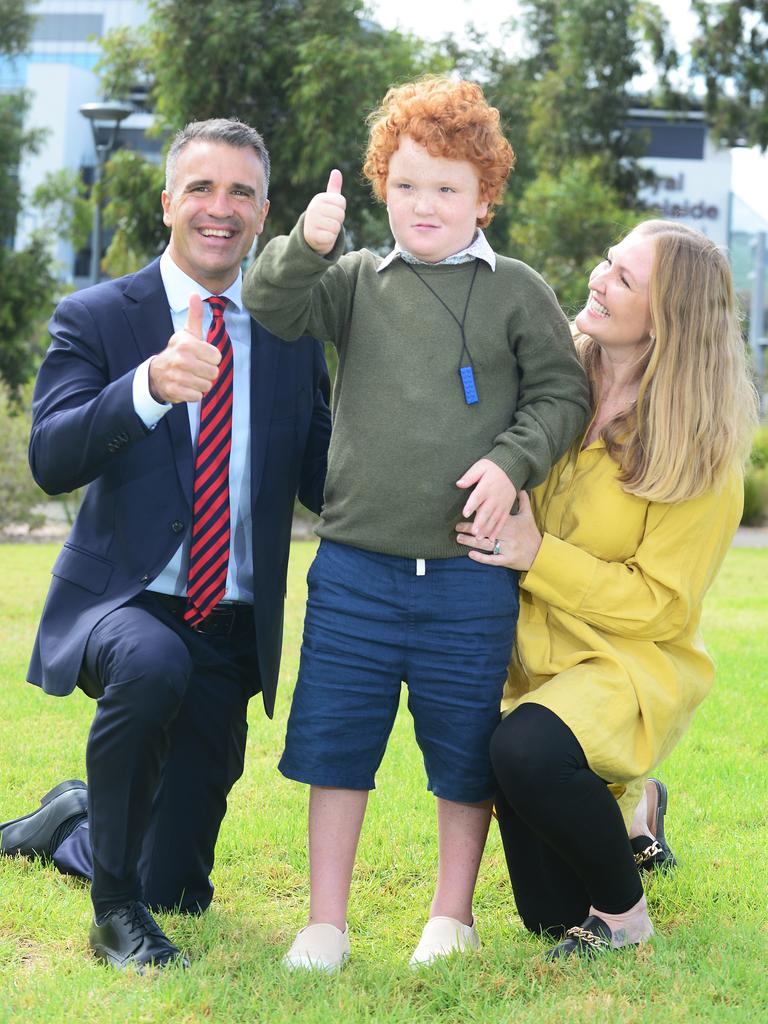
(756, 482)
(759, 455)
(19, 494)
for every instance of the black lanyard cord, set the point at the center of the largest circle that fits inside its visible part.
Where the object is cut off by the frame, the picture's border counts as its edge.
(460, 323)
(465, 372)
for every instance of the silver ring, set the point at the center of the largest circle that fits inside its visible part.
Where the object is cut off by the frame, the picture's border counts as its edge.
(497, 548)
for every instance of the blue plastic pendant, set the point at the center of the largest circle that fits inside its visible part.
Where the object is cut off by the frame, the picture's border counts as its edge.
(468, 382)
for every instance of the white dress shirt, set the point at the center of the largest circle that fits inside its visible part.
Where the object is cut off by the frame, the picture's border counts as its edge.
(178, 287)
(478, 249)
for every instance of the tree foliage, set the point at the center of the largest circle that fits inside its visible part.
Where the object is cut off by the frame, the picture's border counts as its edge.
(61, 201)
(19, 494)
(132, 186)
(17, 20)
(565, 99)
(305, 72)
(582, 58)
(581, 100)
(731, 53)
(27, 286)
(15, 141)
(26, 279)
(564, 222)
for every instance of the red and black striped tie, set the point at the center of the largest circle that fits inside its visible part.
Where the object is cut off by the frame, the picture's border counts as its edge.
(209, 553)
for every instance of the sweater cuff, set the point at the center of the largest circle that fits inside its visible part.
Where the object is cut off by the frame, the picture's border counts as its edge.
(514, 464)
(561, 574)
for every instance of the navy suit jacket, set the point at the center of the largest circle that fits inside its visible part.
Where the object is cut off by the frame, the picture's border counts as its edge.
(138, 503)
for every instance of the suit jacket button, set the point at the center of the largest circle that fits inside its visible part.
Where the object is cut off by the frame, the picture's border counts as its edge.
(177, 526)
(144, 579)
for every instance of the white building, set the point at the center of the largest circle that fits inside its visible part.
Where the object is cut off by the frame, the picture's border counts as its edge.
(58, 72)
(693, 182)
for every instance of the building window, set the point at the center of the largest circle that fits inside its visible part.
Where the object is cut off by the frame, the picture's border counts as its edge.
(67, 28)
(671, 140)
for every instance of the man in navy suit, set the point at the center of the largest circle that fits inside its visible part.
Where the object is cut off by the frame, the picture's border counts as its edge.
(117, 408)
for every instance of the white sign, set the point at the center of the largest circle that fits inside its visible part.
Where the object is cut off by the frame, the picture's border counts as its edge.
(694, 191)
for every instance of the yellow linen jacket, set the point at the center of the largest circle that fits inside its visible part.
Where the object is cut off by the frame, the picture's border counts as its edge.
(608, 634)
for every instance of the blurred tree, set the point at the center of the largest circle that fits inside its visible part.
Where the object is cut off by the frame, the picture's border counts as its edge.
(17, 20)
(305, 72)
(63, 206)
(586, 54)
(26, 278)
(133, 186)
(565, 222)
(19, 494)
(565, 98)
(731, 53)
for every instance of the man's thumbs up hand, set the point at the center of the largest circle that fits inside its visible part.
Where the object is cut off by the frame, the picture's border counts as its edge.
(194, 324)
(187, 367)
(325, 216)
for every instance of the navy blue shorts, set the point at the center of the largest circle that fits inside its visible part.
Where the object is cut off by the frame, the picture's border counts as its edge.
(373, 623)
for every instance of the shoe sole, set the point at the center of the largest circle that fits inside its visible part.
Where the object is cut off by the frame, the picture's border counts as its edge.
(662, 799)
(63, 787)
(130, 963)
(300, 963)
(661, 808)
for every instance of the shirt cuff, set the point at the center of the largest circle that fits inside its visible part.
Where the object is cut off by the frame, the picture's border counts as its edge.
(147, 409)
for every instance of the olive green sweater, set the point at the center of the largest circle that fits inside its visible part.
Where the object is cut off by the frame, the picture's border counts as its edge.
(403, 433)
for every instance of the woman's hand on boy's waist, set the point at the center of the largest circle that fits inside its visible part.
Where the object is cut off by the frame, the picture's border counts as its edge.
(492, 497)
(515, 545)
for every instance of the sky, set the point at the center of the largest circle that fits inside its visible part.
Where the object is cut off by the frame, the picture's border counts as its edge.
(432, 19)
(435, 18)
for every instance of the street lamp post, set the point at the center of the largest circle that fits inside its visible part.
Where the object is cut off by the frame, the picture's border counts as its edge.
(105, 121)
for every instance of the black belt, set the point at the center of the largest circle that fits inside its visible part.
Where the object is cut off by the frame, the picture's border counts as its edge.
(224, 620)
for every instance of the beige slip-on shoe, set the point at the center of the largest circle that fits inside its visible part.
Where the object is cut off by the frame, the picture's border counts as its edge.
(319, 947)
(443, 936)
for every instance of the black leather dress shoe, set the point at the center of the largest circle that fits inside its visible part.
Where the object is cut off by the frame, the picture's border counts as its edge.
(130, 937)
(31, 834)
(655, 854)
(589, 938)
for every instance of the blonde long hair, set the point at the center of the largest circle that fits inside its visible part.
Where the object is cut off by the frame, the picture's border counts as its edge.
(696, 410)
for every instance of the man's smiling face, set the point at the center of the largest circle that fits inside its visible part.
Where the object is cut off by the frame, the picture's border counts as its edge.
(215, 208)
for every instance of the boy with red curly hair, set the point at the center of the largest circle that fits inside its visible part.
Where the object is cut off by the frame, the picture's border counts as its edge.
(456, 374)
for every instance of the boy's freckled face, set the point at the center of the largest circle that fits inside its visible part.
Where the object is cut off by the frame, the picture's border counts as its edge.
(433, 202)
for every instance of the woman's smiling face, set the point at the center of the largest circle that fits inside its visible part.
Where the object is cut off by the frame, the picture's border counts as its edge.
(618, 312)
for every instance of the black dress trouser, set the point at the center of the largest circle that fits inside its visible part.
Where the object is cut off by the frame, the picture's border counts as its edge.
(166, 745)
(564, 837)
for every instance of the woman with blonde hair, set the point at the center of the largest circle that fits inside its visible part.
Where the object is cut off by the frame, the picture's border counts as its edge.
(619, 546)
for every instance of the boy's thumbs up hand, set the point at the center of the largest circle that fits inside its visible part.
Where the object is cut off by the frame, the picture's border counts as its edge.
(325, 216)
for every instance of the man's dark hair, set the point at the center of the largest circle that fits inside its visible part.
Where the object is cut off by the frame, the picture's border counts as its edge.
(229, 131)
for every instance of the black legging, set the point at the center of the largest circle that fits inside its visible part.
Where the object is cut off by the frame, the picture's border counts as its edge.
(564, 837)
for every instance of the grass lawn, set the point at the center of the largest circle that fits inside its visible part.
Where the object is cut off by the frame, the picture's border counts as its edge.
(707, 963)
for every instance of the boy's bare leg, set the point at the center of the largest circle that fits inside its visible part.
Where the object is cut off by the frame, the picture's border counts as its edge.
(335, 819)
(462, 831)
